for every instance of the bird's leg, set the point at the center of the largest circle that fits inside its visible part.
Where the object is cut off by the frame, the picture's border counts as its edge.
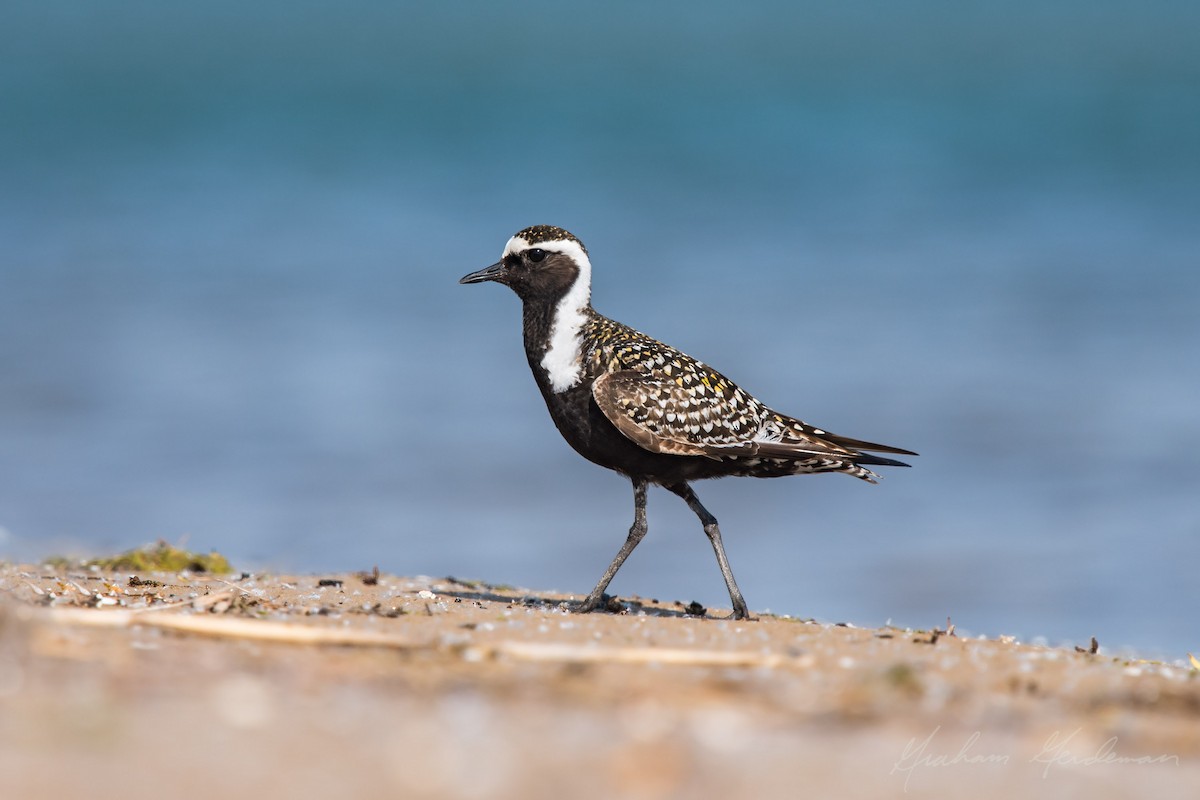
(636, 533)
(714, 535)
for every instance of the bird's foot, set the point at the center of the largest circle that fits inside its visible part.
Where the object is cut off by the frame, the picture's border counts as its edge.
(740, 611)
(596, 602)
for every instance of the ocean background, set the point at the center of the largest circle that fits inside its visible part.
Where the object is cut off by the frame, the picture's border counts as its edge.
(230, 236)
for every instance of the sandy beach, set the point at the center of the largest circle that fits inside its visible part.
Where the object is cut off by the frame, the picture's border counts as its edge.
(189, 685)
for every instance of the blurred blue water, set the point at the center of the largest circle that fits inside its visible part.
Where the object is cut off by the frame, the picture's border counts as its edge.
(228, 310)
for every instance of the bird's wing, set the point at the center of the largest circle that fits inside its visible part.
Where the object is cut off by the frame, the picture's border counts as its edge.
(653, 412)
(702, 414)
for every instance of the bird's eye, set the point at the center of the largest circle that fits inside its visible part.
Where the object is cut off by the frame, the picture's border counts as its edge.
(535, 255)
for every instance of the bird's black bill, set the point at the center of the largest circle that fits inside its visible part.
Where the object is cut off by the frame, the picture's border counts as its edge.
(489, 274)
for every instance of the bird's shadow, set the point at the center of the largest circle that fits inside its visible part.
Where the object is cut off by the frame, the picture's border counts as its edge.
(613, 605)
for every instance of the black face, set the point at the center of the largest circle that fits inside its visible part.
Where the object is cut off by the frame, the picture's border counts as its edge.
(533, 273)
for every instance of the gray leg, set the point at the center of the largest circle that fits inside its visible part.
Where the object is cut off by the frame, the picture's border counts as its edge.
(714, 535)
(636, 534)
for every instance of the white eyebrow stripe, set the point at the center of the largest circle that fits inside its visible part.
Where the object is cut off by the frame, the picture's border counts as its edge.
(515, 245)
(518, 244)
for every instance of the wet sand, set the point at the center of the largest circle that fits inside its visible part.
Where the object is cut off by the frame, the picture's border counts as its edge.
(183, 685)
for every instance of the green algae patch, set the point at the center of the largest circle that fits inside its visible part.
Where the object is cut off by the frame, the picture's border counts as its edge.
(163, 557)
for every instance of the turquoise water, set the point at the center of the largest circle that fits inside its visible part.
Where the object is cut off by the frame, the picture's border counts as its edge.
(228, 310)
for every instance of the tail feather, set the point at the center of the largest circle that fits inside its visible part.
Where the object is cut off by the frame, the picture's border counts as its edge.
(863, 473)
(814, 446)
(878, 461)
(805, 439)
(859, 444)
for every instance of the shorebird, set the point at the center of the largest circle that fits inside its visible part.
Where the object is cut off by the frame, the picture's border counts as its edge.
(632, 404)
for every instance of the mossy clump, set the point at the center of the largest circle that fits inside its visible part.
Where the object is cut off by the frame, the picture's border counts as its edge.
(904, 678)
(163, 557)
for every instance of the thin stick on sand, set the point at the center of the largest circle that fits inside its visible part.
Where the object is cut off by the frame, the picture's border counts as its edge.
(291, 633)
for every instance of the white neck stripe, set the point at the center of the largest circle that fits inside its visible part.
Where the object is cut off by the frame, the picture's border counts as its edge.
(563, 360)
